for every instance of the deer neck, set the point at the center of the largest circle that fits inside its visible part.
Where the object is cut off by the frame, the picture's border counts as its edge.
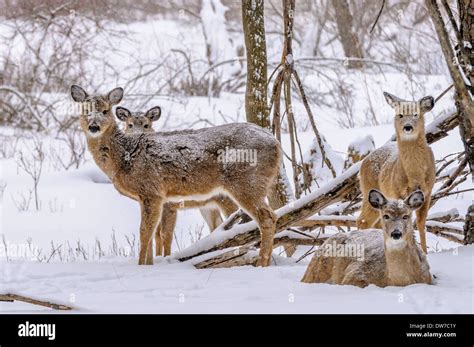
(403, 263)
(107, 150)
(412, 153)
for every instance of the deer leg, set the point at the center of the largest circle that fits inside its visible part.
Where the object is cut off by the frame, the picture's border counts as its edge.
(150, 217)
(226, 205)
(158, 240)
(212, 216)
(168, 220)
(266, 220)
(421, 214)
(263, 214)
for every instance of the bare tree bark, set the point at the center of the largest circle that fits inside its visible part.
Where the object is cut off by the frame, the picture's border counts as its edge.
(466, 126)
(458, 61)
(256, 107)
(469, 226)
(254, 32)
(349, 40)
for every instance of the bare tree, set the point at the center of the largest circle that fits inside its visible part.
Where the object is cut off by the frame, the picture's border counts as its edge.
(460, 59)
(255, 43)
(256, 106)
(256, 93)
(349, 40)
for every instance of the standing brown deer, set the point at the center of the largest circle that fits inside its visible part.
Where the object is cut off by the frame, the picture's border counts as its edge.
(399, 169)
(210, 209)
(155, 168)
(385, 258)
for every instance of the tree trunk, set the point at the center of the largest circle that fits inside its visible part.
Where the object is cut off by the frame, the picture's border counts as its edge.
(466, 126)
(458, 62)
(256, 93)
(256, 107)
(349, 40)
(465, 58)
(469, 226)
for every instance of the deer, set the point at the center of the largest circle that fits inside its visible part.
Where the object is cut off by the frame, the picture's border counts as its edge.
(156, 168)
(210, 209)
(397, 169)
(389, 257)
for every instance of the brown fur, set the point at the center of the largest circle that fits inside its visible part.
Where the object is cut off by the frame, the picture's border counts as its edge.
(210, 209)
(398, 170)
(386, 261)
(160, 167)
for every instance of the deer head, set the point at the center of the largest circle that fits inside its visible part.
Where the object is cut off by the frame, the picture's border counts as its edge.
(409, 115)
(396, 216)
(96, 110)
(138, 122)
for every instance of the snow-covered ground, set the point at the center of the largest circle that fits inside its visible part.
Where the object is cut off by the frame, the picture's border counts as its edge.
(118, 286)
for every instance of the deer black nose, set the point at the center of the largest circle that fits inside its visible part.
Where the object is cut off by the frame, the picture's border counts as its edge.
(396, 234)
(94, 128)
(408, 128)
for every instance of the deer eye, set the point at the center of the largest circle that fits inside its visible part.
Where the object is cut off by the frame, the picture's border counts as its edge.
(104, 112)
(415, 115)
(146, 126)
(400, 115)
(130, 126)
(386, 217)
(405, 217)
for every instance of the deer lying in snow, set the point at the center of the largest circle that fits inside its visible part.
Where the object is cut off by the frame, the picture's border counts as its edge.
(138, 123)
(399, 169)
(156, 168)
(389, 257)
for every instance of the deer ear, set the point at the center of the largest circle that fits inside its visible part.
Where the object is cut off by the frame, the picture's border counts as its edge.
(376, 199)
(427, 103)
(122, 113)
(78, 94)
(415, 200)
(115, 96)
(392, 100)
(153, 113)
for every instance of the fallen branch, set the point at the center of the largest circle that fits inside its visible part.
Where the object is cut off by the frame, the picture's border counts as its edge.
(451, 232)
(445, 216)
(231, 258)
(325, 221)
(452, 177)
(247, 255)
(436, 227)
(350, 221)
(15, 297)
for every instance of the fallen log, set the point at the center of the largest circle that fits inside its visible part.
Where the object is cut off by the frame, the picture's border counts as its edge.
(350, 221)
(437, 227)
(325, 221)
(16, 297)
(248, 255)
(235, 257)
(334, 191)
(451, 215)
